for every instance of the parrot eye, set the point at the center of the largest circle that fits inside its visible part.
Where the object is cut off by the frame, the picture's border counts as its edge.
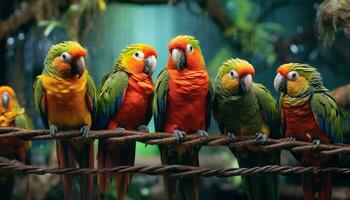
(189, 49)
(138, 55)
(293, 75)
(66, 57)
(233, 74)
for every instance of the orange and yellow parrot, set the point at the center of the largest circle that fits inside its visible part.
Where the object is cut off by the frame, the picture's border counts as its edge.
(309, 114)
(64, 96)
(12, 115)
(124, 101)
(182, 106)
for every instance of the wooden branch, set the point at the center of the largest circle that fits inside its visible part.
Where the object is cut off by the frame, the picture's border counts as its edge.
(217, 12)
(342, 95)
(30, 10)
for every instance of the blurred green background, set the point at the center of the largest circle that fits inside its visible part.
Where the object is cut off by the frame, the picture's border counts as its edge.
(267, 33)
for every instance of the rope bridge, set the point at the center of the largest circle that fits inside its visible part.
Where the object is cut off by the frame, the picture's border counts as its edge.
(168, 139)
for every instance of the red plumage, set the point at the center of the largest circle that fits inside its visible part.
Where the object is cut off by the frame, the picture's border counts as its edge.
(300, 123)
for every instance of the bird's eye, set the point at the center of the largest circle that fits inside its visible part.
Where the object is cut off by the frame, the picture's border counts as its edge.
(293, 75)
(189, 49)
(138, 55)
(66, 57)
(233, 74)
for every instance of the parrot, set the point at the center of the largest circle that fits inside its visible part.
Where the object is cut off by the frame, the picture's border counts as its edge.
(12, 115)
(309, 114)
(242, 107)
(64, 96)
(182, 105)
(124, 102)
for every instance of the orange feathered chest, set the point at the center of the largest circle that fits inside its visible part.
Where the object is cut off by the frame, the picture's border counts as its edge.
(136, 103)
(66, 102)
(187, 100)
(301, 124)
(12, 148)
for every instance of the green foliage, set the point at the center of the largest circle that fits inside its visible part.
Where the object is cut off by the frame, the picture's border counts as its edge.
(251, 34)
(71, 18)
(223, 54)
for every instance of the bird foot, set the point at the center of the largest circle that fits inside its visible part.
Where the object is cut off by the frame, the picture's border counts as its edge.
(84, 130)
(179, 135)
(203, 133)
(120, 129)
(143, 128)
(316, 142)
(231, 135)
(261, 137)
(53, 130)
(290, 138)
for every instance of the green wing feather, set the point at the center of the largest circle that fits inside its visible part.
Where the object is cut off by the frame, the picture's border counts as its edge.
(23, 121)
(209, 107)
(269, 109)
(160, 99)
(110, 97)
(328, 116)
(91, 92)
(38, 100)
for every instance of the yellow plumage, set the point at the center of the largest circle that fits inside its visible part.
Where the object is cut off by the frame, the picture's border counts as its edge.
(66, 103)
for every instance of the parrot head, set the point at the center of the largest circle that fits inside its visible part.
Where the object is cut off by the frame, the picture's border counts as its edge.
(138, 58)
(66, 60)
(297, 80)
(185, 52)
(236, 76)
(7, 98)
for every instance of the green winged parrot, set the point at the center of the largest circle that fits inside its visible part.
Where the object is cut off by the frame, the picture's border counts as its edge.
(64, 95)
(12, 115)
(242, 107)
(124, 102)
(309, 114)
(182, 106)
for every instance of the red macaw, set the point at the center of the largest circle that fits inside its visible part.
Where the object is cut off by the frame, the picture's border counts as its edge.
(182, 106)
(124, 101)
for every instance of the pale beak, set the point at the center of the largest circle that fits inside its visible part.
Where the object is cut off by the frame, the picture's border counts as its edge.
(280, 83)
(150, 64)
(246, 82)
(78, 66)
(178, 57)
(5, 98)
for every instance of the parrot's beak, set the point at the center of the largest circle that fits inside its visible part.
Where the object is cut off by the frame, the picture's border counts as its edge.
(5, 98)
(78, 66)
(280, 83)
(178, 57)
(246, 82)
(150, 64)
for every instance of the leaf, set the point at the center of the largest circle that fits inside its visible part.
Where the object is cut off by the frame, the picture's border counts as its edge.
(102, 5)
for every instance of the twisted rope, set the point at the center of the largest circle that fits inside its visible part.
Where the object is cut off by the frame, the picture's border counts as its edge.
(189, 140)
(173, 170)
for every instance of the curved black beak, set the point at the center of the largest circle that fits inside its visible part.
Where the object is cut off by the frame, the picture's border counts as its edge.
(78, 66)
(179, 59)
(5, 98)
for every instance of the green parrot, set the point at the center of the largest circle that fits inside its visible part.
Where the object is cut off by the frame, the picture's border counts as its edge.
(12, 114)
(64, 95)
(309, 114)
(244, 108)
